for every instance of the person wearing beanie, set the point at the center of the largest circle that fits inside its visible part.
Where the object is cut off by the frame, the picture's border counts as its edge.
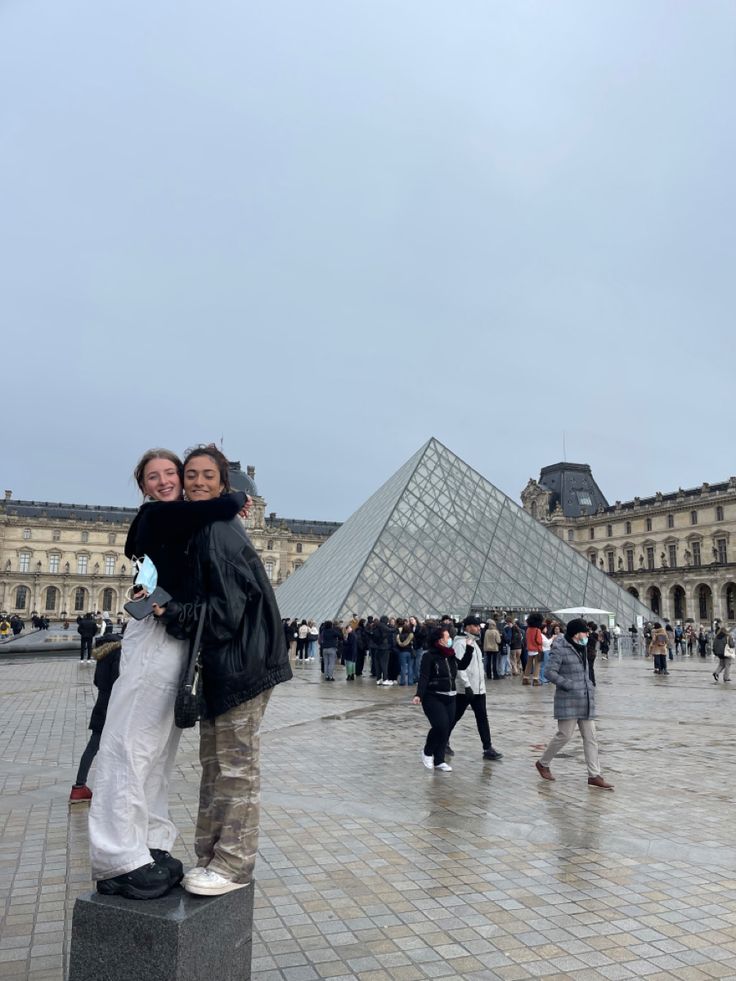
(574, 703)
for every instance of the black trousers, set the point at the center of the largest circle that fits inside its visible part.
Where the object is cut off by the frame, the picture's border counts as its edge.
(87, 756)
(478, 704)
(302, 644)
(591, 666)
(86, 645)
(441, 714)
(379, 660)
(359, 662)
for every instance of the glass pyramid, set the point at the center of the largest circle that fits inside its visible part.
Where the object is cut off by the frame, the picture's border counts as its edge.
(439, 538)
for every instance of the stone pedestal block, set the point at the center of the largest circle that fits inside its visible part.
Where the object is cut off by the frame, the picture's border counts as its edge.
(176, 938)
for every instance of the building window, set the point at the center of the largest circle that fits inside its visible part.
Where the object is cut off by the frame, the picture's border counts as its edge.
(721, 550)
(629, 560)
(80, 598)
(55, 535)
(299, 545)
(21, 597)
(571, 534)
(298, 565)
(670, 521)
(609, 531)
(649, 524)
(650, 556)
(672, 549)
(109, 566)
(269, 545)
(82, 563)
(628, 527)
(26, 534)
(697, 558)
(108, 600)
(24, 563)
(693, 517)
(52, 597)
(269, 569)
(111, 538)
(592, 557)
(54, 561)
(719, 513)
(85, 537)
(611, 563)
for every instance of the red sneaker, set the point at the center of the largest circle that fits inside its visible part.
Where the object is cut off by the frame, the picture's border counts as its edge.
(80, 794)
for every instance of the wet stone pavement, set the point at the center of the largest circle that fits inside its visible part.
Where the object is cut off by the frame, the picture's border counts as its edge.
(372, 867)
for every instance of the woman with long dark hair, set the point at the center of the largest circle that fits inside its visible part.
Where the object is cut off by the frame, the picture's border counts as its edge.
(436, 694)
(243, 657)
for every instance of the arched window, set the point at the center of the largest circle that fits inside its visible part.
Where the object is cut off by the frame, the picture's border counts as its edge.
(52, 598)
(24, 562)
(269, 569)
(80, 599)
(298, 546)
(26, 534)
(108, 600)
(21, 597)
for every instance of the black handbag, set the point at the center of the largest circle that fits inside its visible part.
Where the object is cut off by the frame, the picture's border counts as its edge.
(188, 705)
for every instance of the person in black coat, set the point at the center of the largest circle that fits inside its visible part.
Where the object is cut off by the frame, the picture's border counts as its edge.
(107, 670)
(436, 694)
(87, 630)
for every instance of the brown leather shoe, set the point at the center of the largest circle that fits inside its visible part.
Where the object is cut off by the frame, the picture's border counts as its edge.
(599, 782)
(525, 681)
(544, 771)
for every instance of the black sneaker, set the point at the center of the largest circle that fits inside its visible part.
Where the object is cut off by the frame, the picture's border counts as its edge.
(147, 882)
(449, 751)
(172, 865)
(492, 754)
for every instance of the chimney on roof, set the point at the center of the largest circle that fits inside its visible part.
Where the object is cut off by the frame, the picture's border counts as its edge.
(8, 495)
(251, 471)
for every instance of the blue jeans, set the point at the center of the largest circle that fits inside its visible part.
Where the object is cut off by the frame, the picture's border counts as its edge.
(418, 655)
(406, 667)
(545, 658)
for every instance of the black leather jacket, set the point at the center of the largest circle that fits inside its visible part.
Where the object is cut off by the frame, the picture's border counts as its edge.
(243, 648)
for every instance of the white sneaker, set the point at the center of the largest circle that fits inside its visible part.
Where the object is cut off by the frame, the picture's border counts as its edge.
(388, 683)
(380, 682)
(210, 883)
(445, 767)
(428, 761)
(194, 875)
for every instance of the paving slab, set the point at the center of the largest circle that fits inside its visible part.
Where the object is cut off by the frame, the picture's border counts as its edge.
(372, 867)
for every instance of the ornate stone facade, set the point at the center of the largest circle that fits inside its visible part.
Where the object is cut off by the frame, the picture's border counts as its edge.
(67, 559)
(673, 550)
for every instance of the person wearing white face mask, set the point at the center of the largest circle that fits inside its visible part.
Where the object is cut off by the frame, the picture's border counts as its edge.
(574, 702)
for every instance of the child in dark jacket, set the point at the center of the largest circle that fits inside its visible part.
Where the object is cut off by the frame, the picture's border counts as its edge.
(106, 674)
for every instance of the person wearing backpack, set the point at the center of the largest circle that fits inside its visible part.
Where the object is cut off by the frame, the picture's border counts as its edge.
(724, 650)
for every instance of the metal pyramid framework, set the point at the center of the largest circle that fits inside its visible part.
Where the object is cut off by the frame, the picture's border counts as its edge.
(438, 538)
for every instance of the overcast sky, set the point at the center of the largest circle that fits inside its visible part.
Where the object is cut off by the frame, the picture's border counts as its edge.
(327, 231)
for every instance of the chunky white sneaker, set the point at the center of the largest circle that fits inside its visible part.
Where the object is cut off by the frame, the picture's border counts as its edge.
(194, 874)
(428, 761)
(210, 884)
(445, 767)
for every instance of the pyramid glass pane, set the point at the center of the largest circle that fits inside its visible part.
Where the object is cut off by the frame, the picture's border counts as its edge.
(437, 538)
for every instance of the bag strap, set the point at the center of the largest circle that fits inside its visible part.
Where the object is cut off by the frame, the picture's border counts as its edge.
(194, 647)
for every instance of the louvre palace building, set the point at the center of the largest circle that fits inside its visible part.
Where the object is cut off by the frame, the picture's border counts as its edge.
(672, 551)
(61, 560)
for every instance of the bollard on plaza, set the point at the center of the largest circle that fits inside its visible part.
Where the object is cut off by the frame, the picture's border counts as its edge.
(178, 937)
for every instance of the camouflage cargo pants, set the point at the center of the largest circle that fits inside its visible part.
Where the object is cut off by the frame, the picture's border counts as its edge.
(226, 837)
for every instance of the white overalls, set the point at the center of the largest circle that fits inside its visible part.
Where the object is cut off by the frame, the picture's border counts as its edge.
(130, 810)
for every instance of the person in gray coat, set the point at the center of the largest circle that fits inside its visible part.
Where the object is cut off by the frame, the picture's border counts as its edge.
(574, 701)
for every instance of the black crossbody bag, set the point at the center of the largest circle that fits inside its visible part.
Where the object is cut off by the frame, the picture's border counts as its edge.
(188, 705)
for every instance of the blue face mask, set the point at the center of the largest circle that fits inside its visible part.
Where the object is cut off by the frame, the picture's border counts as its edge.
(583, 642)
(147, 576)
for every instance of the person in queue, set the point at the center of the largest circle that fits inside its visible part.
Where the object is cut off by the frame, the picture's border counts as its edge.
(244, 655)
(130, 831)
(436, 694)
